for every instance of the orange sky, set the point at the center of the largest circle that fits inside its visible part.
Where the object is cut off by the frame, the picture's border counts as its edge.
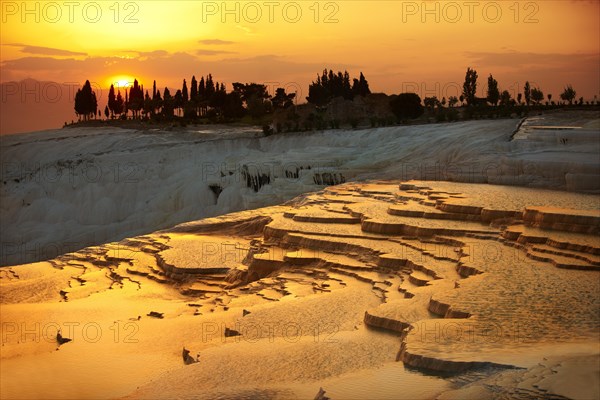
(397, 45)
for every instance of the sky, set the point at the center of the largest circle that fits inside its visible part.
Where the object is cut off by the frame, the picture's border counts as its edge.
(414, 46)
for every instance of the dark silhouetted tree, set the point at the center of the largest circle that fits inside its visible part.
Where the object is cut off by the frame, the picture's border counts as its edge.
(210, 87)
(86, 104)
(537, 95)
(318, 93)
(194, 96)
(233, 106)
(255, 96)
(527, 93)
(406, 105)
(470, 86)
(178, 101)
(250, 90)
(106, 112)
(217, 101)
(493, 94)
(148, 105)
(136, 99)
(346, 88)
(126, 104)
(168, 105)
(281, 99)
(568, 94)
(184, 93)
(119, 104)
(360, 87)
(505, 98)
(112, 101)
(194, 89)
(201, 87)
(431, 102)
(330, 85)
(157, 102)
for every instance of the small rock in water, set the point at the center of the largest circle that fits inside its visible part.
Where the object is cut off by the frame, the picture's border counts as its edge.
(61, 339)
(156, 314)
(187, 359)
(231, 332)
(321, 395)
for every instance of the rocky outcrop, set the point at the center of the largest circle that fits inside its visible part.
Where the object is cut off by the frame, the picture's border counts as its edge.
(524, 236)
(251, 224)
(179, 274)
(489, 215)
(388, 324)
(445, 310)
(404, 228)
(262, 265)
(441, 365)
(317, 243)
(391, 261)
(466, 270)
(563, 220)
(460, 208)
(327, 219)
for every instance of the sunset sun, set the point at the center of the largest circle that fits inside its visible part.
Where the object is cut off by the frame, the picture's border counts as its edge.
(120, 81)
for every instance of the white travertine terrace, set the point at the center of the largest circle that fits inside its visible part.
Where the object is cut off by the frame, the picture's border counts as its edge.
(489, 295)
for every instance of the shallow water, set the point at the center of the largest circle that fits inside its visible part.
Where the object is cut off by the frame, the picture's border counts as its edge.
(318, 303)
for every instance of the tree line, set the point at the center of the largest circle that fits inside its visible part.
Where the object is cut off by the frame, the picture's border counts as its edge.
(210, 99)
(530, 95)
(207, 98)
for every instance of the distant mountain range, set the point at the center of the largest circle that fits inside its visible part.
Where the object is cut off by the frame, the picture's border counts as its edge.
(31, 105)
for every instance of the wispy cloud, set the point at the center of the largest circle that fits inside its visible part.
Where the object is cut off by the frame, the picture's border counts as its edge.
(517, 59)
(264, 68)
(207, 52)
(247, 30)
(215, 42)
(149, 54)
(46, 51)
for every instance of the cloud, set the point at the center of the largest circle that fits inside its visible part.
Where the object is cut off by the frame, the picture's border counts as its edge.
(149, 54)
(206, 52)
(516, 59)
(247, 30)
(271, 70)
(215, 42)
(41, 64)
(46, 51)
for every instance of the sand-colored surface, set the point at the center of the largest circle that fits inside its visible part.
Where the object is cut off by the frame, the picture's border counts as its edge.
(338, 289)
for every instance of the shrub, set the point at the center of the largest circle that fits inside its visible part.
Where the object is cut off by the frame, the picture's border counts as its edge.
(267, 130)
(407, 105)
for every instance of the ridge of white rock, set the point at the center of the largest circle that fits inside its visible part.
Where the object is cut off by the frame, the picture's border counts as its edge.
(67, 189)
